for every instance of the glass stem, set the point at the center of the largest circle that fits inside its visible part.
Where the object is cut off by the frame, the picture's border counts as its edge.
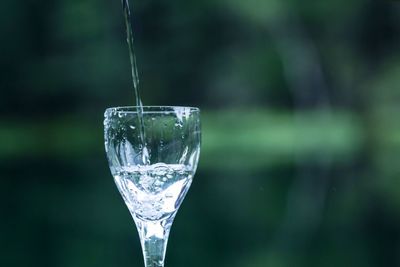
(154, 237)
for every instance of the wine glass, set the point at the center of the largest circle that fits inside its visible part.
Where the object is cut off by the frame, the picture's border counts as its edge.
(153, 153)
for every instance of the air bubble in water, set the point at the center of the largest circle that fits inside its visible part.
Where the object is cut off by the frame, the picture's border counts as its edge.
(155, 195)
(179, 124)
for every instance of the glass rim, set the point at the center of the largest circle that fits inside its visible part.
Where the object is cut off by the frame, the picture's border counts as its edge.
(151, 109)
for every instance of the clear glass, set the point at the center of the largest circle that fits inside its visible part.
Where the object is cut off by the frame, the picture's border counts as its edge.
(153, 178)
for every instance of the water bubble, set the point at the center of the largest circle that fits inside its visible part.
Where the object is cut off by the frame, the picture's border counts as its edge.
(132, 127)
(179, 124)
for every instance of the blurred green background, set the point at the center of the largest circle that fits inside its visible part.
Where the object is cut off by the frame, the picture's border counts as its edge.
(301, 132)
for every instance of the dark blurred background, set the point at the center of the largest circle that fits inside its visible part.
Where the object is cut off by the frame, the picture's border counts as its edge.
(301, 133)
